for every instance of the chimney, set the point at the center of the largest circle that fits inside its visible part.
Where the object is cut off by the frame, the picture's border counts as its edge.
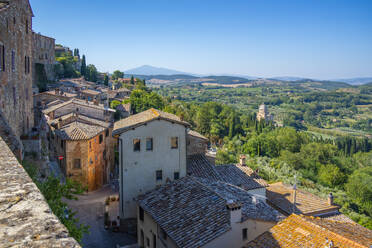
(235, 211)
(242, 160)
(59, 125)
(330, 199)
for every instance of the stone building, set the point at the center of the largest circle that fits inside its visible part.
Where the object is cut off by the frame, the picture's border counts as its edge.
(263, 113)
(85, 149)
(196, 143)
(16, 62)
(197, 212)
(80, 132)
(152, 151)
(43, 57)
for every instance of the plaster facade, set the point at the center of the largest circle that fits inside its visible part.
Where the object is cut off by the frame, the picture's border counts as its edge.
(138, 169)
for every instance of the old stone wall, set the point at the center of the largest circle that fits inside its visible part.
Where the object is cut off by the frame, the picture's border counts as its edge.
(43, 53)
(196, 145)
(16, 66)
(25, 217)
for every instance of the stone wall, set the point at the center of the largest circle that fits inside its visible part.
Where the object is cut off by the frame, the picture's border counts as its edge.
(25, 218)
(196, 145)
(43, 53)
(16, 73)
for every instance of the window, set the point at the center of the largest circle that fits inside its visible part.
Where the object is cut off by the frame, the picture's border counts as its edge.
(136, 145)
(61, 143)
(14, 96)
(141, 214)
(174, 142)
(245, 233)
(148, 242)
(26, 26)
(100, 138)
(25, 64)
(13, 60)
(159, 175)
(163, 234)
(2, 57)
(107, 132)
(176, 175)
(14, 20)
(149, 144)
(77, 164)
(90, 144)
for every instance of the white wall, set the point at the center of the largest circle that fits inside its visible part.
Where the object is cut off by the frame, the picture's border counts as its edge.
(138, 169)
(234, 237)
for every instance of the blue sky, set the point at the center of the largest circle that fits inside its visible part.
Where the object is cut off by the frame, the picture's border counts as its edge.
(317, 39)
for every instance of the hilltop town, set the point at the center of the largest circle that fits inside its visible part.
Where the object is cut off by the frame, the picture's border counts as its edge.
(91, 159)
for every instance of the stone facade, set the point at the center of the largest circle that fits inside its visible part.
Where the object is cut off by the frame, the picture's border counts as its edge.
(16, 65)
(88, 161)
(43, 54)
(263, 113)
(196, 143)
(25, 217)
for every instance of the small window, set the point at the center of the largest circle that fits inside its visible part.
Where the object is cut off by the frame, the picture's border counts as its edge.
(148, 242)
(61, 143)
(245, 233)
(77, 164)
(13, 60)
(2, 57)
(174, 142)
(107, 133)
(100, 138)
(141, 214)
(26, 26)
(149, 144)
(90, 144)
(14, 20)
(159, 175)
(176, 175)
(163, 234)
(136, 145)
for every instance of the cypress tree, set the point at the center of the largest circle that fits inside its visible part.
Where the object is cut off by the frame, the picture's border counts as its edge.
(83, 69)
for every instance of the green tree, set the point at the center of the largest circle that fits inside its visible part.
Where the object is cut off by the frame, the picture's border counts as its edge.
(359, 188)
(330, 175)
(91, 73)
(54, 192)
(106, 79)
(83, 69)
(132, 80)
(117, 74)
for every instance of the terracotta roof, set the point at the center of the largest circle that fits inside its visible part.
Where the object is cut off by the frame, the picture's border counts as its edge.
(192, 211)
(281, 197)
(78, 102)
(144, 117)
(199, 166)
(91, 92)
(53, 93)
(81, 118)
(307, 231)
(241, 176)
(196, 134)
(78, 131)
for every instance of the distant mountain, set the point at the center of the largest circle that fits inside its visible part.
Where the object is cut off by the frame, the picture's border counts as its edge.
(288, 78)
(355, 81)
(151, 70)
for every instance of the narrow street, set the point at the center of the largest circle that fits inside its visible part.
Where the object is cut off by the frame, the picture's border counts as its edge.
(90, 209)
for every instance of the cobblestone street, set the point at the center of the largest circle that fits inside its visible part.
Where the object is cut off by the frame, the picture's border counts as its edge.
(90, 209)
